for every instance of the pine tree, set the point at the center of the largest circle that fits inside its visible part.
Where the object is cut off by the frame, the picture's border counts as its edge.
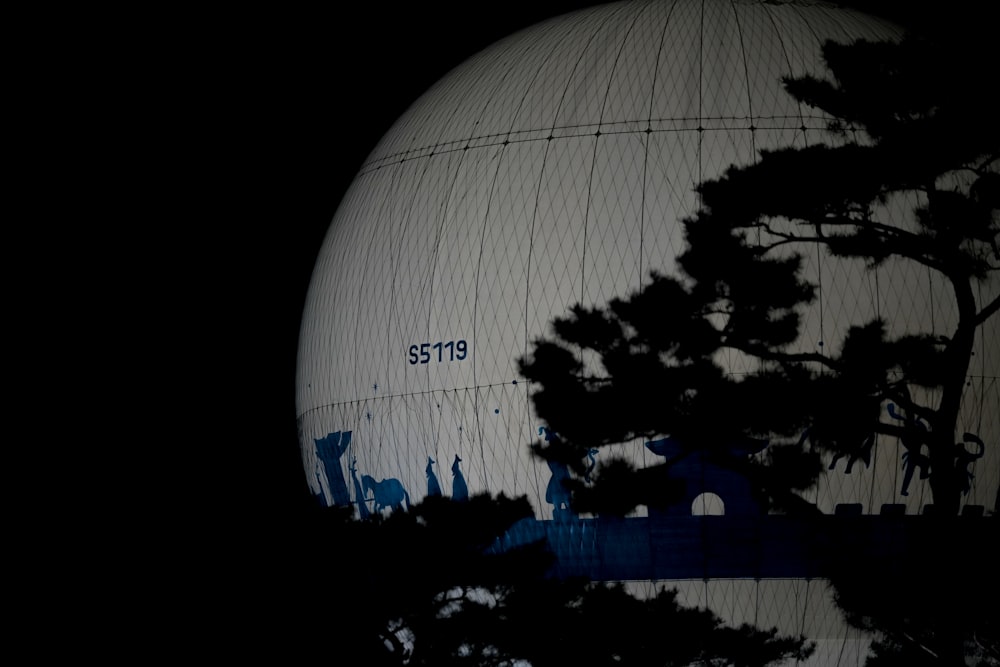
(427, 587)
(911, 128)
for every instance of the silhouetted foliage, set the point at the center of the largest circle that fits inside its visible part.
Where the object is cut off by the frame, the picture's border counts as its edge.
(936, 606)
(648, 364)
(913, 129)
(424, 587)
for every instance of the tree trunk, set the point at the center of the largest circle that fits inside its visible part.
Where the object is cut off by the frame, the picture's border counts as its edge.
(947, 470)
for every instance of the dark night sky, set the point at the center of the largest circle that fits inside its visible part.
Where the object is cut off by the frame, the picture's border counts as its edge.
(315, 93)
(328, 91)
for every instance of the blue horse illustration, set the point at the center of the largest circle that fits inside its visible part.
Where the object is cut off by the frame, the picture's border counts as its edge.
(863, 452)
(388, 494)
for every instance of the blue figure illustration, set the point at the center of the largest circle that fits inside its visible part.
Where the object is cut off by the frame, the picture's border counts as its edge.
(556, 492)
(433, 488)
(388, 494)
(359, 493)
(459, 489)
(330, 449)
(913, 458)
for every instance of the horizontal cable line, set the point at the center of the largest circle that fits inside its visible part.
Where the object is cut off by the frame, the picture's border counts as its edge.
(499, 138)
(412, 394)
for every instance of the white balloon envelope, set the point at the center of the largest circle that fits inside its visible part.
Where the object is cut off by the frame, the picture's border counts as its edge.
(554, 168)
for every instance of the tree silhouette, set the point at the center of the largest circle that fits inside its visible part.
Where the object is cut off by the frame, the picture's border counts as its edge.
(425, 587)
(911, 176)
(913, 179)
(936, 606)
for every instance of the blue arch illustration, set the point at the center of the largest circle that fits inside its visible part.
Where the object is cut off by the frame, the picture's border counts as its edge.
(702, 473)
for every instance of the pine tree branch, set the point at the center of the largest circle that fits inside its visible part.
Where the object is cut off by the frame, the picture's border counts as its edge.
(986, 312)
(767, 354)
(902, 243)
(902, 398)
(988, 160)
(906, 435)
